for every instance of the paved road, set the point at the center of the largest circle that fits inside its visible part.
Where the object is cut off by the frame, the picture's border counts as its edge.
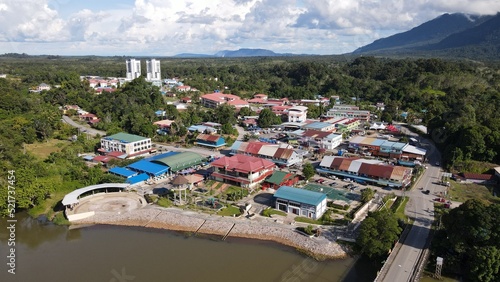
(83, 128)
(420, 207)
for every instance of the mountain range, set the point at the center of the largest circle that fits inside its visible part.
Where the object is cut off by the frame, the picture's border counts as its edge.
(244, 52)
(458, 35)
(455, 35)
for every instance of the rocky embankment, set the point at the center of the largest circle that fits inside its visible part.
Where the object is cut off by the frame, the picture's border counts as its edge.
(178, 220)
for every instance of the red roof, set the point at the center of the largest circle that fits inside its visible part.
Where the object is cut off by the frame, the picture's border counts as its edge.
(280, 108)
(237, 102)
(478, 176)
(257, 101)
(115, 154)
(102, 159)
(253, 148)
(218, 97)
(208, 137)
(88, 116)
(243, 163)
(316, 133)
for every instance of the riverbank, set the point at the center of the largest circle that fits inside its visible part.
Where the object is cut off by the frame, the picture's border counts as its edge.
(188, 221)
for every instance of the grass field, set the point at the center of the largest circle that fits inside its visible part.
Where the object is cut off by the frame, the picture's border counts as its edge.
(462, 192)
(43, 149)
(230, 211)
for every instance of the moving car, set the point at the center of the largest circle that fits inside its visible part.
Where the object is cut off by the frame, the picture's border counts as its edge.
(426, 192)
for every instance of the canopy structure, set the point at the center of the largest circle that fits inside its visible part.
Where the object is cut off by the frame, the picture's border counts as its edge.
(120, 171)
(181, 161)
(74, 196)
(138, 178)
(151, 168)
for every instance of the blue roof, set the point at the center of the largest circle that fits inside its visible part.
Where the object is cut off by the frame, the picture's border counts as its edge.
(318, 125)
(88, 158)
(161, 156)
(138, 178)
(300, 195)
(148, 167)
(122, 172)
(201, 128)
(377, 142)
(388, 143)
(236, 145)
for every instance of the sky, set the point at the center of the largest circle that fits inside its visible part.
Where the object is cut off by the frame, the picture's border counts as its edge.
(170, 27)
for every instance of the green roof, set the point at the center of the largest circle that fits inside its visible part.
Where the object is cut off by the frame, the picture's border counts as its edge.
(125, 137)
(300, 195)
(278, 177)
(181, 161)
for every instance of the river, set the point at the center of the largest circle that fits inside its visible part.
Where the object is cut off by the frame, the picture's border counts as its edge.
(46, 252)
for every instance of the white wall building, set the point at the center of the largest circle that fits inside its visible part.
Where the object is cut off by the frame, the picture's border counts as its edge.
(300, 202)
(126, 143)
(133, 68)
(153, 71)
(297, 114)
(331, 141)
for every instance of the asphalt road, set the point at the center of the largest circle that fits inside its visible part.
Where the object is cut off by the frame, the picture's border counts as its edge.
(83, 128)
(421, 208)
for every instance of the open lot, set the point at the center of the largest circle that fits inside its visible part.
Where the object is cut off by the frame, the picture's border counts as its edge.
(462, 192)
(43, 149)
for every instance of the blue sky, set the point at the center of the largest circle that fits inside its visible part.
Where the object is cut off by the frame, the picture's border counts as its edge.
(169, 27)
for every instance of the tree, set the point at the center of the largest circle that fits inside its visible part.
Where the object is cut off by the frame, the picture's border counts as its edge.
(378, 232)
(485, 264)
(367, 195)
(308, 170)
(246, 111)
(227, 128)
(267, 118)
(225, 114)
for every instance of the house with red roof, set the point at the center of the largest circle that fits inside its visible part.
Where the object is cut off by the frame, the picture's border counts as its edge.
(281, 154)
(280, 178)
(366, 171)
(213, 141)
(89, 118)
(479, 178)
(213, 100)
(242, 170)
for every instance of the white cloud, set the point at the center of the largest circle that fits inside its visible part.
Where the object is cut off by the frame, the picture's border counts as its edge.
(168, 27)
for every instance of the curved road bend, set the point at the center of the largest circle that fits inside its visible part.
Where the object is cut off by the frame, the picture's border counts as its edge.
(421, 208)
(83, 128)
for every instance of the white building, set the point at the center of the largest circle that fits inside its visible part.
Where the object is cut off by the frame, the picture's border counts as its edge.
(126, 143)
(297, 114)
(300, 202)
(133, 68)
(331, 141)
(153, 71)
(348, 111)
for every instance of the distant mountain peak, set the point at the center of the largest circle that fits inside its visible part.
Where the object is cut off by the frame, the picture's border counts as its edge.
(439, 33)
(243, 52)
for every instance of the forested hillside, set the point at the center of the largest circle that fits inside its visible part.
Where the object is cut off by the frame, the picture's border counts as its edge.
(459, 101)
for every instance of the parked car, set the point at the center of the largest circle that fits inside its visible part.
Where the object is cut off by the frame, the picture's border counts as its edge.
(333, 183)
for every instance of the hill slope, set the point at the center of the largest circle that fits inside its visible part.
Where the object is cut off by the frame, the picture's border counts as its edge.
(428, 33)
(448, 36)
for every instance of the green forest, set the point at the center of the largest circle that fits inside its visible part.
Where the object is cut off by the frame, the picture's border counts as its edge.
(457, 100)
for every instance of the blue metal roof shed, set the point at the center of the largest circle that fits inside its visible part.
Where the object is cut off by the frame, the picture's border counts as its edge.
(120, 171)
(138, 178)
(148, 167)
(300, 195)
